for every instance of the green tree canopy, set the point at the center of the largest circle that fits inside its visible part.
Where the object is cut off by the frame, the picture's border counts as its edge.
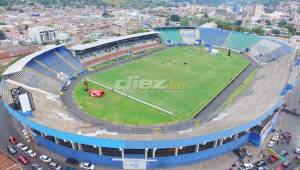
(175, 18)
(2, 35)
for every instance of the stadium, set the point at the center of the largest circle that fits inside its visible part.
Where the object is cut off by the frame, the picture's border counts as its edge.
(169, 97)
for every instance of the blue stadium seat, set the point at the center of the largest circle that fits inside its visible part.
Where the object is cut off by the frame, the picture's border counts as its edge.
(54, 62)
(69, 57)
(213, 36)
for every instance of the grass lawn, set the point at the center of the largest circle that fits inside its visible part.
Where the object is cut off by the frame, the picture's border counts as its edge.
(182, 81)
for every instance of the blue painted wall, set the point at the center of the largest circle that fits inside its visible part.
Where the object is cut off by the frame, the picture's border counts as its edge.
(131, 144)
(161, 162)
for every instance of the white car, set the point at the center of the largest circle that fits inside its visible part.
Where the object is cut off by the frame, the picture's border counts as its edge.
(30, 153)
(246, 166)
(271, 144)
(275, 137)
(55, 166)
(297, 151)
(22, 147)
(86, 165)
(45, 158)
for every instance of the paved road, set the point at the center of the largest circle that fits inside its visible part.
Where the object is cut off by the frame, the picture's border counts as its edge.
(289, 123)
(293, 100)
(7, 128)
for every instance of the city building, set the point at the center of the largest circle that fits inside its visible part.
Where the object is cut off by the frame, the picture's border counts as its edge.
(237, 8)
(253, 10)
(42, 34)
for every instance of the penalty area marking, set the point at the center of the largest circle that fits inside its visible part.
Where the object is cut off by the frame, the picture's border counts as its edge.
(133, 98)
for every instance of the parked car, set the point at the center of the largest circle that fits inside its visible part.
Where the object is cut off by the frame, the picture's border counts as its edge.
(22, 147)
(23, 159)
(30, 153)
(275, 138)
(36, 166)
(261, 163)
(12, 140)
(297, 151)
(86, 165)
(279, 167)
(271, 144)
(45, 158)
(286, 164)
(10, 149)
(283, 153)
(246, 166)
(263, 168)
(72, 161)
(273, 158)
(55, 166)
(297, 158)
(246, 151)
(240, 154)
(67, 85)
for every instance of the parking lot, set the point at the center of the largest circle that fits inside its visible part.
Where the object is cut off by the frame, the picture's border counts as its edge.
(278, 150)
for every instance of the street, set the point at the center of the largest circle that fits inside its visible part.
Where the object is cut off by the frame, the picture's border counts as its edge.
(7, 127)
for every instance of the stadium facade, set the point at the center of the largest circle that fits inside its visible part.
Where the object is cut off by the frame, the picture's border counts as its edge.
(44, 74)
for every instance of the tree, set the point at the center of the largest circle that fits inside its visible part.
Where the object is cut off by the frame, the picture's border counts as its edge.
(238, 22)
(175, 18)
(268, 22)
(258, 30)
(276, 32)
(26, 27)
(57, 42)
(184, 21)
(86, 41)
(283, 23)
(2, 35)
(206, 15)
(291, 29)
(140, 30)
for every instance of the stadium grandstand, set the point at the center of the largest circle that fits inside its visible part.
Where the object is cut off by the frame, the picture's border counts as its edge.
(69, 131)
(241, 41)
(213, 36)
(46, 70)
(104, 50)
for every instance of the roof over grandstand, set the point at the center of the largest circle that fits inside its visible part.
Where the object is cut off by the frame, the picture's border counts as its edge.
(19, 65)
(110, 40)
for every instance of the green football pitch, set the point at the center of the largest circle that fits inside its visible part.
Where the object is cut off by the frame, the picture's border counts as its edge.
(169, 86)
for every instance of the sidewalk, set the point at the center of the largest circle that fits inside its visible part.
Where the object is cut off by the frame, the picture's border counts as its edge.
(7, 163)
(221, 163)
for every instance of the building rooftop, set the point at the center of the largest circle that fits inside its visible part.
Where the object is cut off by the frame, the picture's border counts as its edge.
(105, 41)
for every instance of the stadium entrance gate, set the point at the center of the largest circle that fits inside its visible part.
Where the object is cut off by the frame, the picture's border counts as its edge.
(132, 163)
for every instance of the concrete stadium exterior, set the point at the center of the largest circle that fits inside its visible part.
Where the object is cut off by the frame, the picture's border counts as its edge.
(247, 120)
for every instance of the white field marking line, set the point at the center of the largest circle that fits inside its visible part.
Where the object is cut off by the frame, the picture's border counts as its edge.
(133, 98)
